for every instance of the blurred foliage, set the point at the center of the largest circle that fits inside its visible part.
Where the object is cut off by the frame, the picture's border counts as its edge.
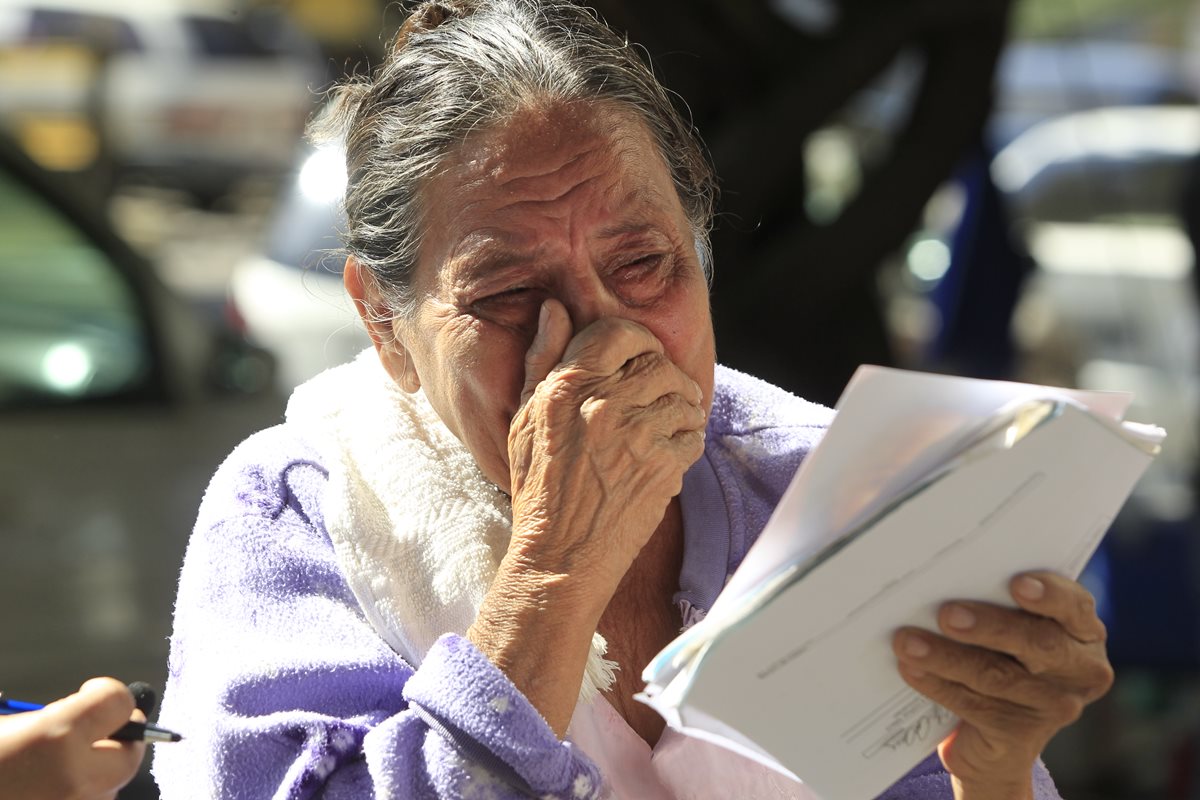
(1059, 18)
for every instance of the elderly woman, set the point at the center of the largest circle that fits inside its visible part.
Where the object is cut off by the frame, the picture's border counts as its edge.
(442, 575)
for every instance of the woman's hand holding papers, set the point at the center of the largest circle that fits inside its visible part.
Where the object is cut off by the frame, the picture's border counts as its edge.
(1015, 677)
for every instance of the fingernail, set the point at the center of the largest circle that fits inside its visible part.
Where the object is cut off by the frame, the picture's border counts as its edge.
(543, 316)
(960, 618)
(916, 647)
(1029, 588)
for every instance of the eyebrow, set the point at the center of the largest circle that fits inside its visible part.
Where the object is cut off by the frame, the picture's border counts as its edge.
(493, 256)
(637, 198)
(629, 228)
(489, 259)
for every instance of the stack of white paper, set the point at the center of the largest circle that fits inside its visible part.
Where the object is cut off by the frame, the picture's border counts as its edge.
(925, 488)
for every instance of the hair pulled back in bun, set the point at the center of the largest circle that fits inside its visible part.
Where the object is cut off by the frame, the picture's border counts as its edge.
(458, 66)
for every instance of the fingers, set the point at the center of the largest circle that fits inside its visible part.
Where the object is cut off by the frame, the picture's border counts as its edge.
(1015, 676)
(1038, 646)
(622, 360)
(1061, 599)
(602, 348)
(1057, 634)
(669, 422)
(615, 362)
(984, 686)
(646, 380)
(1007, 714)
(113, 764)
(548, 347)
(606, 429)
(99, 708)
(607, 344)
(1054, 640)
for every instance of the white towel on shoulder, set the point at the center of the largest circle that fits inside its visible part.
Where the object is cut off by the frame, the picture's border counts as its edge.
(418, 530)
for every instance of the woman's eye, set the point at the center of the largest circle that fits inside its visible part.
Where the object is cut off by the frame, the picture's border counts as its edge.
(515, 294)
(513, 306)
(640, 266)
(642, 280)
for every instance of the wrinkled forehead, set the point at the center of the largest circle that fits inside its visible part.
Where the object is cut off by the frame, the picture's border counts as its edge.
(541, 148)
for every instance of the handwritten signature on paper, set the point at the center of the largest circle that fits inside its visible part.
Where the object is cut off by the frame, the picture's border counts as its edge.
(915, 731)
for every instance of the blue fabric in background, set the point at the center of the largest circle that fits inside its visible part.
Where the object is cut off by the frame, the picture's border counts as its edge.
(1144, 579)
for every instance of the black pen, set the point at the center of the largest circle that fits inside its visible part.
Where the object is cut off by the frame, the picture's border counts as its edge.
(129, 732)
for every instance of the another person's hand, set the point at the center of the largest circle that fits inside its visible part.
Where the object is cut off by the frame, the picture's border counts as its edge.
(1015, 677)
(607, 427)
(60, 752)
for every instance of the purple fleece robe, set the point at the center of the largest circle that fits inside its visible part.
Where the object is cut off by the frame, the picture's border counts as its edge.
(285, 691)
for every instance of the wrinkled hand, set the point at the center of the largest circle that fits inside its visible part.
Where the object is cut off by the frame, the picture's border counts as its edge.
(1014, 677)
(607, 427)
(60, 752)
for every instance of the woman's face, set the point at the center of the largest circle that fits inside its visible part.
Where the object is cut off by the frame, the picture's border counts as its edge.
(571, 202)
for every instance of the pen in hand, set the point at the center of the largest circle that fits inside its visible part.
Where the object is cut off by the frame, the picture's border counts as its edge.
(145, 699)
(144, 732)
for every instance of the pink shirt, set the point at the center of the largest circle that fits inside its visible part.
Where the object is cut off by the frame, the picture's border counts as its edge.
(679, 767)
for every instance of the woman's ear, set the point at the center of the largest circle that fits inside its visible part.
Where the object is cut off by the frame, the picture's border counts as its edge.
(380, 325)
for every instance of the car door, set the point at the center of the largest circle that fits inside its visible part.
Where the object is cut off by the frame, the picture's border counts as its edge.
(116, 404)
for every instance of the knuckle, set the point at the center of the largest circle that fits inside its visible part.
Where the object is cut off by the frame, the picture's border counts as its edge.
(675, 485)
(996, 677)
(694, 446)
(1102, 680)
(1085, 607)
(110, 700)
(642, 365)
(654, 360)
(670, 403)
(1067, 708)
(1003, 626)
(603, 332)
(622, 333)
(564, 383)
(1108, 677)
(600, 412)
(1046, 640)
(978, 706)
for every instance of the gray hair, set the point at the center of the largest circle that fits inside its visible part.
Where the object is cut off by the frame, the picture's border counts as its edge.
(461, 65)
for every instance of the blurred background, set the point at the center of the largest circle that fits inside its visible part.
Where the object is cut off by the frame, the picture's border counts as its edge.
(1000, 188)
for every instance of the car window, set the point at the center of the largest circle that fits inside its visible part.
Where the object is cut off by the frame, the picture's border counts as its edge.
(69, 322)
(98, 30)
(220, 38)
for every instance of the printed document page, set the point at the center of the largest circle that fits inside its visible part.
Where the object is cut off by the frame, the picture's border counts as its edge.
(803, 678)
(896, 426)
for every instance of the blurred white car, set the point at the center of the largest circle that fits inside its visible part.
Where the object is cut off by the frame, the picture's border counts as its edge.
(290, 296)
(178, 90)
(1095, 199)
(1097, 196)
(1037, 80)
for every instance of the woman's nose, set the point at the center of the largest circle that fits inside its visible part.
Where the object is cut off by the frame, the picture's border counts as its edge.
(588, 299)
